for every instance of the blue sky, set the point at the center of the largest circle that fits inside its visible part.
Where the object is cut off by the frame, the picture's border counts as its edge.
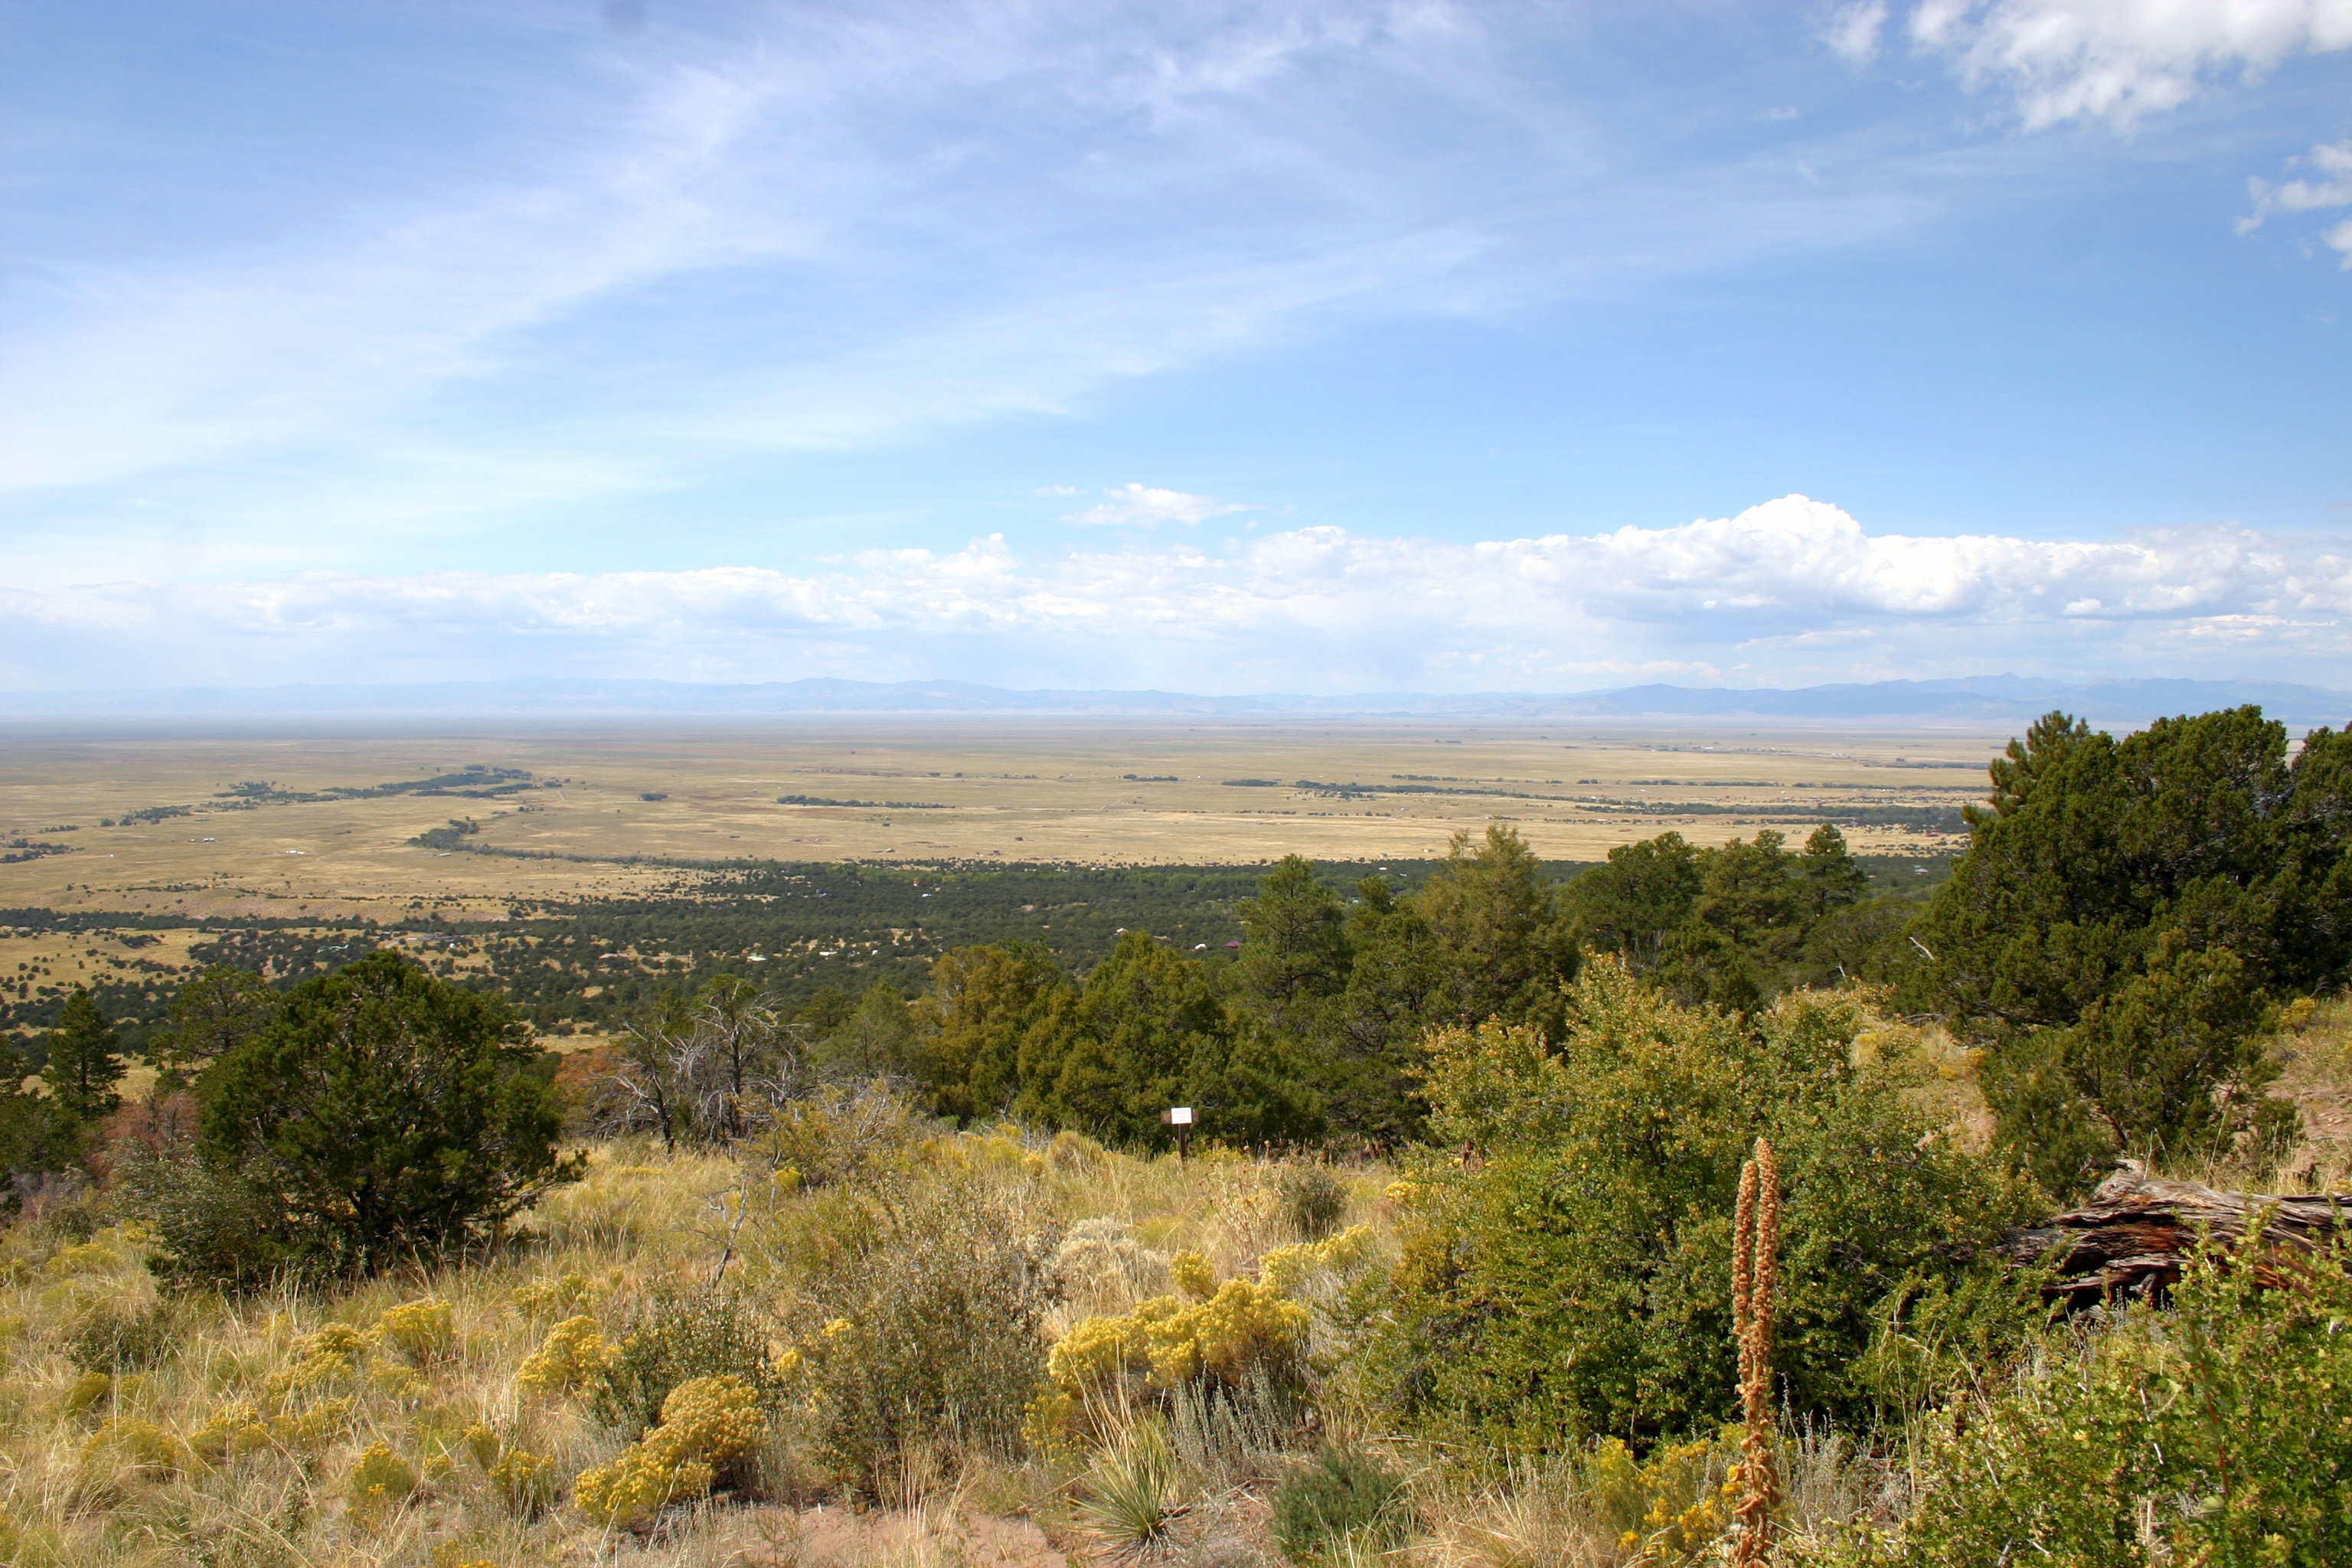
(1316, 347)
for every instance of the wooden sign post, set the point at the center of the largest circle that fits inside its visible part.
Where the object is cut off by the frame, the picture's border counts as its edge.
(1180, 1117)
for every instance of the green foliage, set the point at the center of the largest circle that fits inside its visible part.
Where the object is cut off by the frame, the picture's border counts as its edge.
(83, 1067)
(918, 1322)
(1342, 1492)
(383, 1115)
(1502, 952)
(452, 836)
(1481, 938)
(33, 1136)
(1295, 954)
(2218, 1430)
(1127, 1498)
(1146, 1031)
(2123, 909)
(981, 1003)
(1734, 925)
(214, 1013)
(1568, 1276)
(879, 1039)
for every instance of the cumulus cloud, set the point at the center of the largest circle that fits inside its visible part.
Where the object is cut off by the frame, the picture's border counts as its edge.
(1140, 506)
(2332, 163)
(1793, 589)
(2113, 60)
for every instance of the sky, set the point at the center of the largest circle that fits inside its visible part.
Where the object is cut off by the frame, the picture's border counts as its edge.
(1314, 347)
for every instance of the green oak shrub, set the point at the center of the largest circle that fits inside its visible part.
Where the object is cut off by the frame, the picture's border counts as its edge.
(1566, 1263)
(2216, 1429)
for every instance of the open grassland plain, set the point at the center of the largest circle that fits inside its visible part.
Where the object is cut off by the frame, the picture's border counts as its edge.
(582, 870)
(329, 823)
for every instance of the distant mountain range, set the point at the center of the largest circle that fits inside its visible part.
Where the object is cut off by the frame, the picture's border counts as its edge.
(1989, 698)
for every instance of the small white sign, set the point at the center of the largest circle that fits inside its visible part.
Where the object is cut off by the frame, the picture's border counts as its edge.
(1180, 1116)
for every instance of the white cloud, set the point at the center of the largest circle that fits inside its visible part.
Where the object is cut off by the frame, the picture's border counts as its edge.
(2333, 163)
(1140, 506)
(2116, 60)
(1794, 589)
(1852, 30)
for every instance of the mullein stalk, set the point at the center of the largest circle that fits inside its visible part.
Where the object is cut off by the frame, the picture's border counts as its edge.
(1755, 1268)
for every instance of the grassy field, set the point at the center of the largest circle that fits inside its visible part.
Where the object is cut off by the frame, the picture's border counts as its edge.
(1091, 793)
(405, 1423)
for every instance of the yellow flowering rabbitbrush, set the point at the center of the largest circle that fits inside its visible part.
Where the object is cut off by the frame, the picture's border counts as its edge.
(572, 1357)
(708, 1427)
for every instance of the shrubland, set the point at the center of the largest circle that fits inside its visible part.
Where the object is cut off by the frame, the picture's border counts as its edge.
(358, 1274)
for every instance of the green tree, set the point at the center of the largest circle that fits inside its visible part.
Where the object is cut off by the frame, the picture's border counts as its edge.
(1745, 927)
(1147, 1031)
(1365, 1061)
(2121, 910)
(1734, 924)
(1828, 874)
(1630, 905)
(1503, 952)
(33, 1136)
(880, 1039)
(981, 1003)
(83, 1065)
(1129, 1046)
(386, 1114)
(212, 1015)
(1295, 957)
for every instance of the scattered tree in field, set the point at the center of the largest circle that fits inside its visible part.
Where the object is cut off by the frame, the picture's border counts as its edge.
(83, 1067)
(384, 1115)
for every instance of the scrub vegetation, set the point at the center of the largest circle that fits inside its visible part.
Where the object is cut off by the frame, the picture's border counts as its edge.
(344, 1266)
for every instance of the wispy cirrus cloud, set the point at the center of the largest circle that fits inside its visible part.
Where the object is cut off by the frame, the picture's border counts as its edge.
(1133, 505)
(784, 228)
(1790, 590)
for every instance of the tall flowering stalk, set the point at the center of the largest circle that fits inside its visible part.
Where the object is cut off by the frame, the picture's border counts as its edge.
(1755, 1256)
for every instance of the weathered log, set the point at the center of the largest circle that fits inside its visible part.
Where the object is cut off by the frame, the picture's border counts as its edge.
(2136, 1234)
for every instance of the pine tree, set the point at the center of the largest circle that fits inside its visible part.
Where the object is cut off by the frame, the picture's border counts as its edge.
(83, 1069)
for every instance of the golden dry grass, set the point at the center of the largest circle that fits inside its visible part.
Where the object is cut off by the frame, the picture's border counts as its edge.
(244, 1442)
(1013, 789)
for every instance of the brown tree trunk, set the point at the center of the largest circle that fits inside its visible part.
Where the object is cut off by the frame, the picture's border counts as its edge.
(2135, 1233)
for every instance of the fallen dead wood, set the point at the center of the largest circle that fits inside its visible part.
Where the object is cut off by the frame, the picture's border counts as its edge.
(2135, 1233)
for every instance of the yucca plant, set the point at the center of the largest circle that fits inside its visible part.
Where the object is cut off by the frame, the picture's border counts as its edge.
(1128, 1500)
